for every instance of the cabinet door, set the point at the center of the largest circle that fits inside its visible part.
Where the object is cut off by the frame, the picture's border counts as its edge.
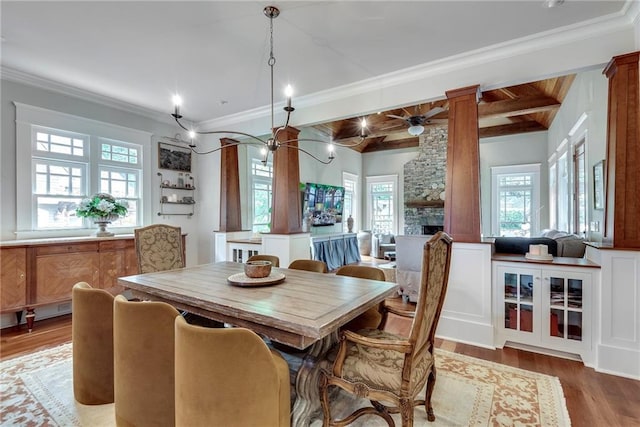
(13, 292)
(566, 303)
(117, 259)
(517, 298)
(56, 274)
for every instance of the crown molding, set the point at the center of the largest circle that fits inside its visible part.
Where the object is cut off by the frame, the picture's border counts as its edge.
(18, 76)
(585, 30)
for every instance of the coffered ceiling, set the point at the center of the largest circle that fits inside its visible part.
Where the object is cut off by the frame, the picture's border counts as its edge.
(510, 110)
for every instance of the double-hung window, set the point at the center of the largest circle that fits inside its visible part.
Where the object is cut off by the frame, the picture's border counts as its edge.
(515, 200)
(261, 191)
(382, 209)
(63, 159)
(349, 209)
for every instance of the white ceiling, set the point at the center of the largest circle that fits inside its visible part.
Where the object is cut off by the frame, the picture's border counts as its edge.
(213, 51)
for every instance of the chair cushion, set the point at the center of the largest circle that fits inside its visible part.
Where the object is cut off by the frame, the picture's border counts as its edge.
(382, 369)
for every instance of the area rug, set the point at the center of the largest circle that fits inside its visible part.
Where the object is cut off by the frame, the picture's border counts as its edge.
(37, 389)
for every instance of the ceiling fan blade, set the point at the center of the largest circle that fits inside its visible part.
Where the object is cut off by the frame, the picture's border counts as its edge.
(433, 112)
(393, 116)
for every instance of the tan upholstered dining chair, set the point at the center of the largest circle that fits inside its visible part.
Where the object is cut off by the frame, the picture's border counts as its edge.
(309, 265)
(275, 261)
(159, 248)
(92, 337)
(144, 363)
(228, 377)
(372, 317)
(388, 369)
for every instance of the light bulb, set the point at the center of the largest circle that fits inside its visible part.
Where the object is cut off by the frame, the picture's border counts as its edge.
(363, 123)
(288, 91)
(192, 134)
(263, 151)
(331, 148)
(177, 102)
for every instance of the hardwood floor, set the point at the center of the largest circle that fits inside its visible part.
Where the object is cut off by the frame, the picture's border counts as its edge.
(593, 399)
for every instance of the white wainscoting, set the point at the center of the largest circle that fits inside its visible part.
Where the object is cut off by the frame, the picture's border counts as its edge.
(466, 316)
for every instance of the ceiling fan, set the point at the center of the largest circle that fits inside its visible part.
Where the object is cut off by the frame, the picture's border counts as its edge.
(416, 122)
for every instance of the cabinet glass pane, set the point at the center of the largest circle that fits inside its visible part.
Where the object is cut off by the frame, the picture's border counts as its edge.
(574, 320)
(574, 293)
(526, 318)
(510, 315)
(556, 294)
(526, 288)
(556, 326)
(510, 285)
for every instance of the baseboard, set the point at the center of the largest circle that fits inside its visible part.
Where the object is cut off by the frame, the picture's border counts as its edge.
(463, 331)
(619, 361)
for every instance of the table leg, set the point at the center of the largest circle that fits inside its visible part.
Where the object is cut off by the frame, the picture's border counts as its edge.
(308, 399)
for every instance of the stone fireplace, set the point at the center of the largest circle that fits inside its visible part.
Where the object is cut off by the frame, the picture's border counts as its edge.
(424, 183)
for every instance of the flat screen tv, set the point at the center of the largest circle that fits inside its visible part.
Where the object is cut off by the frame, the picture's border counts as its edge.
(323, 204)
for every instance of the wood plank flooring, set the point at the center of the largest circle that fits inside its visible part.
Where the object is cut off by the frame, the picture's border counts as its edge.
(593, 399)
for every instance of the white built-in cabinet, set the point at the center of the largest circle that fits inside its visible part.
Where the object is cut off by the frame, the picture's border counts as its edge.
(546, 305)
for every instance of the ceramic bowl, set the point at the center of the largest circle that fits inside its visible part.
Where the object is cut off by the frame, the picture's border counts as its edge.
(257, 269)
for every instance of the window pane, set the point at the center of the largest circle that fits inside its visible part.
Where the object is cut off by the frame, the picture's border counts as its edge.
(57, 212)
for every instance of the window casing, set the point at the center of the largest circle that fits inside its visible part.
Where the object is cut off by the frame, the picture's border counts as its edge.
(515, 200)
(66, 158)
(261, 192)
(350, 206)
(382, 204)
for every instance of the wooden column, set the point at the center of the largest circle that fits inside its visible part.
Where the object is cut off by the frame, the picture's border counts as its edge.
(286, 211)
(622, 210)
(462, 189)
(230, 214)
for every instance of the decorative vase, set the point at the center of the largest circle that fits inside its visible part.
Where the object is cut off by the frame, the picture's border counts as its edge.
(350, 224)
(102, 226)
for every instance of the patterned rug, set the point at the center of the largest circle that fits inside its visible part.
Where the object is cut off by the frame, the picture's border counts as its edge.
(37, 390)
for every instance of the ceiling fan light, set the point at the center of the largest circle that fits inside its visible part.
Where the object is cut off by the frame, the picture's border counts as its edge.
(415, 130)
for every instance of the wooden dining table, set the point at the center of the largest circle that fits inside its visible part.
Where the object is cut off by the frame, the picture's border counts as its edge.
(305, 311)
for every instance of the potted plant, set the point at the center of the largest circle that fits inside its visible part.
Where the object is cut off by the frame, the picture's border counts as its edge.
(103, 208)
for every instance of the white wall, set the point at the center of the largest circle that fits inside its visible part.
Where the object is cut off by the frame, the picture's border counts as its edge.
(588, 95)
(519, 149)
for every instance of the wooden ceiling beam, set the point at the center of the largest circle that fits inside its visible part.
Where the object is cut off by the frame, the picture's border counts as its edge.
(382, 144)
(517, 107)
(502, 130)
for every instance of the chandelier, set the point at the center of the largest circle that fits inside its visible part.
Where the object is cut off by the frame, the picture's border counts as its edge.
(271, 144)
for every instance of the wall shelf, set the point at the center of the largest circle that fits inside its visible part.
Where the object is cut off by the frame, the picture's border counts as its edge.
(183, 188)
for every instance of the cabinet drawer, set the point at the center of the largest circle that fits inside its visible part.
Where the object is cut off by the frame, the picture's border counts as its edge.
(67, 248)
(112, 245)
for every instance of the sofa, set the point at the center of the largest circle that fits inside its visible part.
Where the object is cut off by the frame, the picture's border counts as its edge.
(381, 243)
(560, 244)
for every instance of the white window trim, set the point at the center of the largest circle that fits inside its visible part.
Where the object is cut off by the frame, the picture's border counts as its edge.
(532, 168)
(377, 179)
(347, 176)
(28, 116)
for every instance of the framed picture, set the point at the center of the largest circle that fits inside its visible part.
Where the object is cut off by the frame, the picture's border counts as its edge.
(598, 185)
(174, 157)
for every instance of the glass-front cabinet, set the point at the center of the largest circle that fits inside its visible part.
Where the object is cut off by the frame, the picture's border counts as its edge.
(543, 305)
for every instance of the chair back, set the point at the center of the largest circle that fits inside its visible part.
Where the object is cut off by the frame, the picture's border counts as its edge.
(275, 261)
(144, 362)
(228, 377)
(159, 248)
(433, 288)
(92, 336)
(361, 272)
(309, 265)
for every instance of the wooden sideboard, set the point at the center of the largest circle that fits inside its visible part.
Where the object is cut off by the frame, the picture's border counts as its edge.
(43, 271)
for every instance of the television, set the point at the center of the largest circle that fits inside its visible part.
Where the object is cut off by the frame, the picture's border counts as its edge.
(322, 204)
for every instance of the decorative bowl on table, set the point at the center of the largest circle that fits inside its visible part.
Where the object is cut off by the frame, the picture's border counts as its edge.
(257, 269)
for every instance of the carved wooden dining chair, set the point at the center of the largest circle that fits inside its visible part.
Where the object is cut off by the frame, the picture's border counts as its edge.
(309, 265)
(385, 367)
(92, 337)
(372, 317)
(159, 248)
(229, 377)
(144, 363)
(275, 261)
